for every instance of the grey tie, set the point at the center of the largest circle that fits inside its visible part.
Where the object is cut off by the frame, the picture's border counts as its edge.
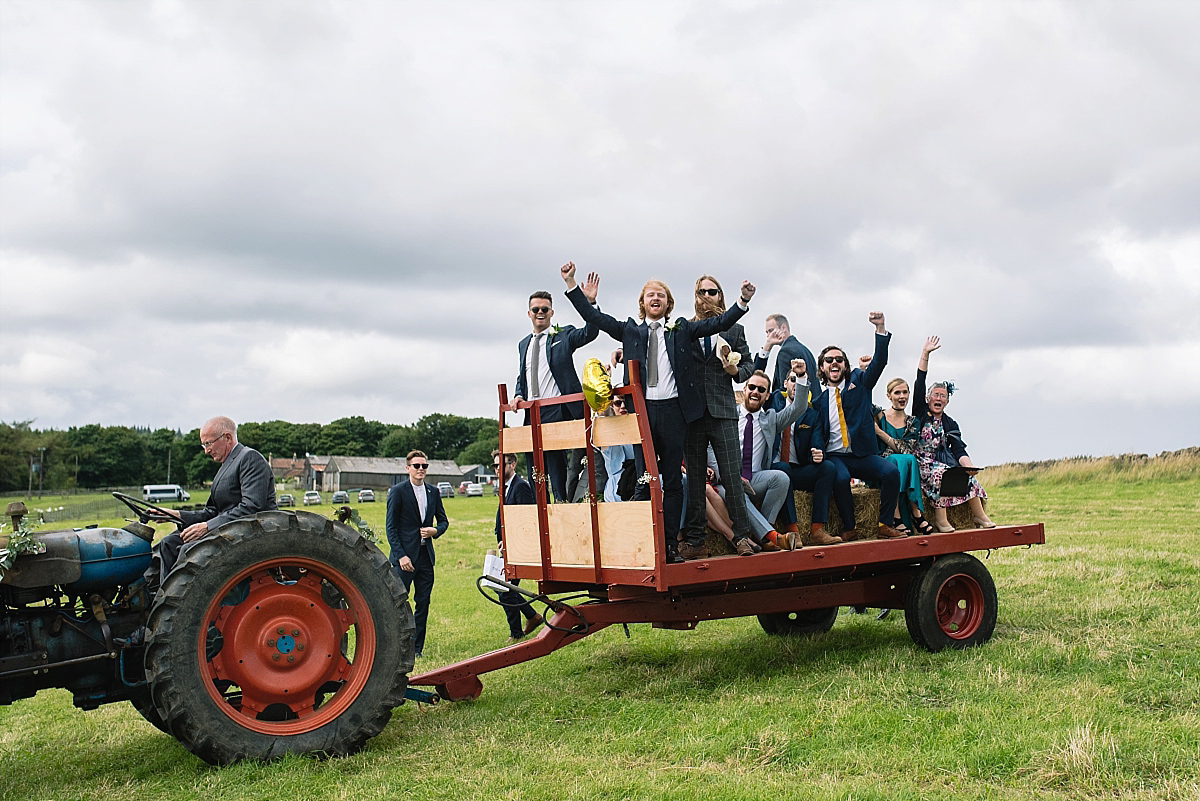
(535, 375)
(652, 356)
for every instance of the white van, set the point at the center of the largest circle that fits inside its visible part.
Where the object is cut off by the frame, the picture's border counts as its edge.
(164, 492)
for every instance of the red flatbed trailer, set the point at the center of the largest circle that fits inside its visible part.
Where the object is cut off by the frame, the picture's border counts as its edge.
(614, 554)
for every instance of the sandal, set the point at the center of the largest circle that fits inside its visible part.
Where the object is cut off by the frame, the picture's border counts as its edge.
(924, 526)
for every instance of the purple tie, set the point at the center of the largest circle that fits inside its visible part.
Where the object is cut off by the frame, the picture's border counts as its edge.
(748, 449)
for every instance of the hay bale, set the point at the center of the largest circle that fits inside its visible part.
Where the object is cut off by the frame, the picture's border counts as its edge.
(866, 514)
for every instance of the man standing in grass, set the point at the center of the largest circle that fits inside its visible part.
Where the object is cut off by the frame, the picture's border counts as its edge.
(516, 491)
(412, 508)
(242, 487)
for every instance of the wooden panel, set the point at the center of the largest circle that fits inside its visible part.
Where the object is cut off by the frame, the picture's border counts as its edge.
(523, 546)
(564, 435)
(619, 430)
(517, 440)
(626, 534)
(571, 533)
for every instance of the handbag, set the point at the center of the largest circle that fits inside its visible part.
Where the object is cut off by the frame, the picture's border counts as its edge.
(493, 565)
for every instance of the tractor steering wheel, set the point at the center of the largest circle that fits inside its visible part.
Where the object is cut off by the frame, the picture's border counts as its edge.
(147, 512)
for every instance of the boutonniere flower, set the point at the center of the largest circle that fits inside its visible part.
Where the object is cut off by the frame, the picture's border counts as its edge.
(673, 327)
(556, 329)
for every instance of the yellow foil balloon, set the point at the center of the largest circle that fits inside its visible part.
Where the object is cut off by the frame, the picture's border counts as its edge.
(597, 386)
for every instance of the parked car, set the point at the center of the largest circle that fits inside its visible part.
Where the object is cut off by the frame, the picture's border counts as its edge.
(462, 488)
(311, 497)
(341, 496)
(446, 489)
(285, 500)
(474, 490)
(366, 496)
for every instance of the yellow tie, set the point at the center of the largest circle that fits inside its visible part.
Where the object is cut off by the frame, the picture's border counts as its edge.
(842, 419)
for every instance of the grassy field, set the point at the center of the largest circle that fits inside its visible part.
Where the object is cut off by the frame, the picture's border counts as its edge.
(1089, 689)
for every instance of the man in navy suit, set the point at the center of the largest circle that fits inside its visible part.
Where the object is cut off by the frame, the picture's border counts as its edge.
(663, 350)
(844, 427)
(516, 491)
(779, 332)
(412, 509)
(548, 371)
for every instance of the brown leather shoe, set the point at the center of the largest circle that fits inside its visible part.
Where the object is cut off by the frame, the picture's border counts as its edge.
(823, 537)
(531, 624)
(770, 547)
(850, 535)
(888, 533)
(692, 552)
(744, 548)
(787, 541)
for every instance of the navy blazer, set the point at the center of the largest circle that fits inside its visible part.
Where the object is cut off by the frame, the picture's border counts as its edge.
(921, 412)
(634, 338)
(790, 348)
(560, 350)
(518, 493)
(802, 437)
(404, 523)
(856, 403)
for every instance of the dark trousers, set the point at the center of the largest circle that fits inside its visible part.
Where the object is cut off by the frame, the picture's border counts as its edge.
(515, 605)
(822, 481)
(168, 552)
(867, 468)
(423, 578)
(668, 431)
(722, 434)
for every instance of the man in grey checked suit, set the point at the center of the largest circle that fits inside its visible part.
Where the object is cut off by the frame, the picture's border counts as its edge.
(242, 487)
(718, 424)
(759, 428)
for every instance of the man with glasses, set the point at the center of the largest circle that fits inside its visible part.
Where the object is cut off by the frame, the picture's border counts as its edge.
(516, 491)
(548, 371)
(242, 487)
(845, 426)
(415, 518)
(758, 427)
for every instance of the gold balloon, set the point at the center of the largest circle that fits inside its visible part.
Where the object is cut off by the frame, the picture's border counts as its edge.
(597, 386)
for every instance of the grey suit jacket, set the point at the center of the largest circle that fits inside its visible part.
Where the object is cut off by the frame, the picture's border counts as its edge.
(242, 487)
(774, 422)
(716, 385)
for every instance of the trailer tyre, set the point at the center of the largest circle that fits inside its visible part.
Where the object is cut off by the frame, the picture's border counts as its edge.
(951, 604)
(806, 622)
(277, 634)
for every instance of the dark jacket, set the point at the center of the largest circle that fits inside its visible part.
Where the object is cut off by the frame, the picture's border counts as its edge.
(634, 339)
(404, 524)
(716, 385)
(519, 492)
(790, 348)
(560, 350)
(242, 487)
(856, 404)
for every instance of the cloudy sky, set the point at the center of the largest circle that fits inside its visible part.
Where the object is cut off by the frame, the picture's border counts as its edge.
(302, 211)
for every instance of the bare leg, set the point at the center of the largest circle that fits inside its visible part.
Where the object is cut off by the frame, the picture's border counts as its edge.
(717, 513)
(941, 521)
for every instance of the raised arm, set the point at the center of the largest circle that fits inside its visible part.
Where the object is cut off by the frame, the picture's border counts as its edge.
(879, 360)
(590, 314)
(920, 407)
(715, 325)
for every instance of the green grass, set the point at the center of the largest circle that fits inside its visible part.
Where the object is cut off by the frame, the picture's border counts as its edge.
(1089, 689)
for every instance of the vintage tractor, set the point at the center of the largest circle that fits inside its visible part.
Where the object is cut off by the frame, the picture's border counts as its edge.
(280, 633)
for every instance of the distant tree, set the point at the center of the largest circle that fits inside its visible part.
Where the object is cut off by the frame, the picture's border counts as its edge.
(113, 456)
(444, 436)
(337, 440)
(398, 442)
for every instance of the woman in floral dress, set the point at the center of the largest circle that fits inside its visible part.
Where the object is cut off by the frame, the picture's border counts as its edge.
(939, 446)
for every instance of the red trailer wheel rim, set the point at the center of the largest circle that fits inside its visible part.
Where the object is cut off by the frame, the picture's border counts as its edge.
(296, 646)
(960, 606)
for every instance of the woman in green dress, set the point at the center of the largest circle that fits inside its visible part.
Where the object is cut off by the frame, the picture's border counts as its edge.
(897, 433)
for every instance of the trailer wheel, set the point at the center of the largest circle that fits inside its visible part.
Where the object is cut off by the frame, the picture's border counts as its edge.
(808, 621)
(282, 633)
(951, 604)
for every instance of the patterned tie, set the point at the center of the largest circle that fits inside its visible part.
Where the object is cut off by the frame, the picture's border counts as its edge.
(535, 374)
(748, 449)
(652, 356)
(842, 419)
(785, 449)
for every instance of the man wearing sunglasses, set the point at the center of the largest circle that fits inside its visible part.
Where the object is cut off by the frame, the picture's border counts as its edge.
(845, 426)
(242, 487)
(415, 518)
(548, 371)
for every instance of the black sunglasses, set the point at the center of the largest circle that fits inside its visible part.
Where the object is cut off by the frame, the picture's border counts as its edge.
(755, 388)
(834, 359)
(420, 465)
(712, 293)
(540, 310)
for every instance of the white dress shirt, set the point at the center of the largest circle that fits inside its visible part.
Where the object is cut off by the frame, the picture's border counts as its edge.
(836, 445)
(666, 376)
(759, 449)
(544, 380)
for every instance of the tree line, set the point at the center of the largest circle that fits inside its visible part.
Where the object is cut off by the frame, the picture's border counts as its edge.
(124, 456)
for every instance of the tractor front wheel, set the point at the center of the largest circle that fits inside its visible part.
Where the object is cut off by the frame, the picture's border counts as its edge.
(282, 633)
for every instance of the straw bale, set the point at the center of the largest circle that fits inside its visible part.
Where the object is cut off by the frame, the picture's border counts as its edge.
(866, 514)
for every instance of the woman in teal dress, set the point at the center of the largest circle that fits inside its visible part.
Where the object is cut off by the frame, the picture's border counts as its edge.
(897, 435)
